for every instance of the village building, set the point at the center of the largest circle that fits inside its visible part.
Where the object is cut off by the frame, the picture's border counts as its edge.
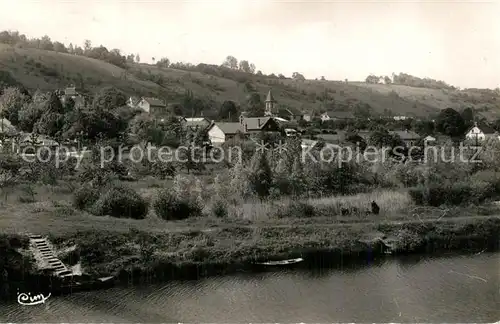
(410, 138)
(153, 106)
(219, 132)
(480, 132)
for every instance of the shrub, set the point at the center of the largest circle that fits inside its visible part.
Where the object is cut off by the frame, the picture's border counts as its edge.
(122, 202)
(27, 194)
(85, 197)
(170, 206)
(219, 209)
(297, 209)
(459, 193)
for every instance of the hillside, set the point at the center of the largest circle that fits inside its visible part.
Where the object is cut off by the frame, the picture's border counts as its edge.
(49, 70)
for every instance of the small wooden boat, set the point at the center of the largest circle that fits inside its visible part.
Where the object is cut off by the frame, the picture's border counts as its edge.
(76, 285)
(281, 263)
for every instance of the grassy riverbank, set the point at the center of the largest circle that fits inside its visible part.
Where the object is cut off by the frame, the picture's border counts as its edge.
(156, 249)
(139, 255)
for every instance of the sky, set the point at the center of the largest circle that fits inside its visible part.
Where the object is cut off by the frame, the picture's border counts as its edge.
(454, 41)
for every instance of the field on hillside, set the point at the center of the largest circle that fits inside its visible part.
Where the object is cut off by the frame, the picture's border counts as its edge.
(48, 70)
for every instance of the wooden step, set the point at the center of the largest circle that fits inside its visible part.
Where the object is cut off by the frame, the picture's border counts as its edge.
(64, 273)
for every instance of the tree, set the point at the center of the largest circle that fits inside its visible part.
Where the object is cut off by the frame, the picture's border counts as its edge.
(32, 111)
(59, 47)
(382, 138)
(298, 76)
(424, 127)
(11, 101)
(322, 78)
(163, 63)
(228, 111)
(255, 105)
(372, 79)
(137, 58)
(109, 98)
(449, 122)
(52, 120)
(193, 149)
(244, 66)
(87, 46)
(387, 80)
(231, 62)
(252, 68)
(260, 176)
(468, 117)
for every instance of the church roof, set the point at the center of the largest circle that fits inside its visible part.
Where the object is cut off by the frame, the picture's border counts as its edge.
(270, 97)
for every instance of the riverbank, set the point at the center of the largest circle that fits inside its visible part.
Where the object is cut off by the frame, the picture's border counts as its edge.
(141, 256)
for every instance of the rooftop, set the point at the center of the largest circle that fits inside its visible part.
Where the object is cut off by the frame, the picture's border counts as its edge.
(155, 102)
(270, 97)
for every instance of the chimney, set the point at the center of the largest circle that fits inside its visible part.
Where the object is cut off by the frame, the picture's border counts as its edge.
(246, 127)
(258, 122)
(241, 119)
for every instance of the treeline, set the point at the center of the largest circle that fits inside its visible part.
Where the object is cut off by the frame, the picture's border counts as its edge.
(231, 67)
(409, 80)
(113, 56)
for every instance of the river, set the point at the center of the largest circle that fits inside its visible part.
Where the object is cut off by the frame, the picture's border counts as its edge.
(458, 288)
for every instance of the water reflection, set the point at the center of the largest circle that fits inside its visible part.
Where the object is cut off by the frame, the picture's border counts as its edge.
(409, 289)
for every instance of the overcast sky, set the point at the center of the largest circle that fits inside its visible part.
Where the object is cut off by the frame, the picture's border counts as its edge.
(458, 42)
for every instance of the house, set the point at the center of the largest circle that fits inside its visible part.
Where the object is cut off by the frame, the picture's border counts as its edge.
(480, 132)
(290, 132)
(133, 102)
(220, 132)
(290, 114)
(252, 125)
(409, 137)
(71, 92)
(196, 123)
(153, 106)
(307, 117)
(336, 138)
(6, 128)
(399, 117)
(429, 139)
(341, 115)
(324, 117)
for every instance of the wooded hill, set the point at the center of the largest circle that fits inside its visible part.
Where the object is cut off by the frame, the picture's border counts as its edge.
(211, 85)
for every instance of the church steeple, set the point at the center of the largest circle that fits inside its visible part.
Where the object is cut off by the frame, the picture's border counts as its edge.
(270, 104)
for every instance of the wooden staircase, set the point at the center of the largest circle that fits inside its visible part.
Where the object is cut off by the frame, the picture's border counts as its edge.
(45, 257)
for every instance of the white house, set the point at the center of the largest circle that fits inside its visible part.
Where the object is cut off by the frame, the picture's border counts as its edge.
(218, 133)
(324, 116)
(400, 117)
(152, 105)
(429, 139)
(480, 132)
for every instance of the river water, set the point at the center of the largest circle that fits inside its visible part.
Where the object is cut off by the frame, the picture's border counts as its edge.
(464, 288)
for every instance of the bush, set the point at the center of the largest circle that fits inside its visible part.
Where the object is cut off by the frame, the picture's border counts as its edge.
(459, 193)
(27, 194)
(85, 197)
(297, 209)
(122, 202)
(170, 206)
(219, 209)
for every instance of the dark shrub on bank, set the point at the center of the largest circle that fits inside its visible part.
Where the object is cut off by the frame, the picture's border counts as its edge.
(120, 201)
(460, 193)
(85, 197)
(219, 209)
(297, 209)
(170, 206)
